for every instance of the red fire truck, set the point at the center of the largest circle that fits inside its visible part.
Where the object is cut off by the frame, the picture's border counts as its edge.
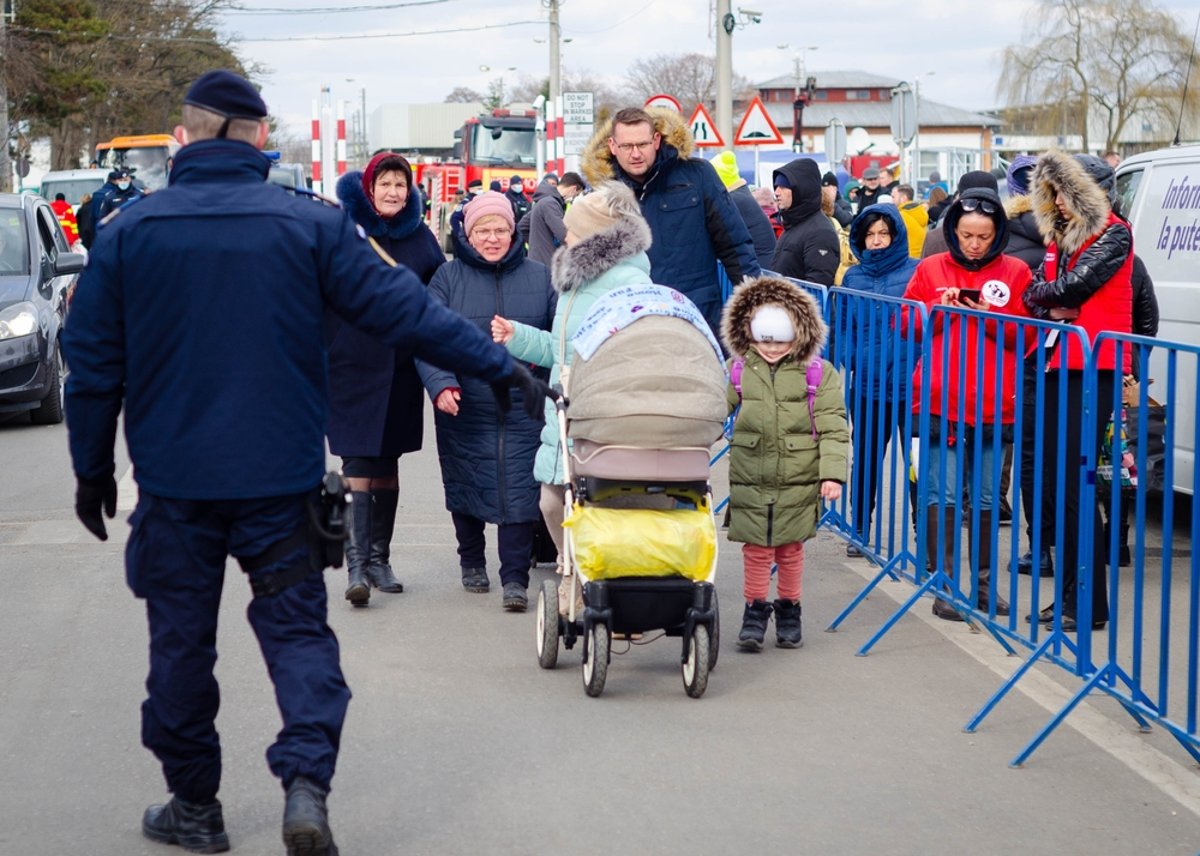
(490, 147)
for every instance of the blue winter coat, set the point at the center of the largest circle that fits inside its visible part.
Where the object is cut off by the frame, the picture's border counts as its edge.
(486, 456)
(201, 312)
(885, 272)
(757, 224)
(691, 217)
(376, 402)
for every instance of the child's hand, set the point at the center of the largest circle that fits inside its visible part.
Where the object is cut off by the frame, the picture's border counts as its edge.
(831, 490)
(502, 330)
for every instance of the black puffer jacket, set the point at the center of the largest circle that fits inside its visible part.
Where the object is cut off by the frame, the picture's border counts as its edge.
(808, 249)
(756, 222)
(487, 456)
(1024, 240)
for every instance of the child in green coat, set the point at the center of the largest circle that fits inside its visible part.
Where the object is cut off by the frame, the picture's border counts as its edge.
(790, 445)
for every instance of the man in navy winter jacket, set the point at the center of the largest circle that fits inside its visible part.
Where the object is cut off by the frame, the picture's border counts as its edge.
(200, 312)
(691, 219)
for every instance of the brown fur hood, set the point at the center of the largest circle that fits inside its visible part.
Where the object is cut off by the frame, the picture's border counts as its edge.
(1015, 206)
(760, 291)
(1056, 172)
(596, 161)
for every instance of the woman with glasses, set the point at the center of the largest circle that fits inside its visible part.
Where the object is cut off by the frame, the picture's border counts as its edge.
(958, 383)
(376, 412)
(487, 454)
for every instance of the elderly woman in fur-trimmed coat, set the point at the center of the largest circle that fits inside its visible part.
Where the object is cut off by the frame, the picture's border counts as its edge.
(605, 249)
(1085, 280)
(376, 407)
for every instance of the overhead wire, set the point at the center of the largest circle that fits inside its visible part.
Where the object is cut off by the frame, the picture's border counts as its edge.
(325, 10)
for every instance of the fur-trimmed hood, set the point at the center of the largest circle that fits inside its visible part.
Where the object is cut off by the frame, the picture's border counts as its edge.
(354, 200)
(1058, 172)
(798, 303)
(585, 261)
(598, 164)
(1015, 206)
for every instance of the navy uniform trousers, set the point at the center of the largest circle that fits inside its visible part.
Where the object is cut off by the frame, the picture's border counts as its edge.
(175, 561)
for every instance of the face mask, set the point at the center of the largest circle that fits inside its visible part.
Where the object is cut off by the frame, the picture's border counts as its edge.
(124, 185)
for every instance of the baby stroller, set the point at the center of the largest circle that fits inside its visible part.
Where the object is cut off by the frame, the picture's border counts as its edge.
(639, 537)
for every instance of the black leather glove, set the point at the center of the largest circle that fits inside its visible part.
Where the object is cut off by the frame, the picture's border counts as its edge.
(533, 392)
(92, 495)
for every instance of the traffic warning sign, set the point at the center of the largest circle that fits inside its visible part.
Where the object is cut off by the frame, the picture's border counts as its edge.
(756, 127)
(704, 129)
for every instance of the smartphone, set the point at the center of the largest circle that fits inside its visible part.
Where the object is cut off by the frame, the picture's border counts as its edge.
(972, 294)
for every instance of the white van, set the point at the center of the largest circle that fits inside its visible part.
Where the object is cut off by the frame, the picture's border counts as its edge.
(1160, 195)
(74, 184)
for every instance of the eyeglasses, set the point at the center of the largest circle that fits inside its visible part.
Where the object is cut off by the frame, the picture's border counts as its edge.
(983, 205)
(641, 147)
(485, 234)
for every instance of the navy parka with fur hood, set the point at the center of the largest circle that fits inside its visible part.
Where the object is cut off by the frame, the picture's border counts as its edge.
(885, 272)
(375, 404)
(691, 217)
(487, 456)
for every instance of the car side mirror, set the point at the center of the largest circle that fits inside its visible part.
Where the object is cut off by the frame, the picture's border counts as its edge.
(69, 263)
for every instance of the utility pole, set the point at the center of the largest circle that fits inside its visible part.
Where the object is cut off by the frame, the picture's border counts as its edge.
(724, 106)
(6, 169)
(555, 69)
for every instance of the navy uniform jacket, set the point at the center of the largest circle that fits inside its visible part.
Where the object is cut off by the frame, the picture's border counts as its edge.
(201, 309)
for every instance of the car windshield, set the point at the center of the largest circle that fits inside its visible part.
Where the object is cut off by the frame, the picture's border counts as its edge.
(14, 248)
(74, 189)
(505, 146)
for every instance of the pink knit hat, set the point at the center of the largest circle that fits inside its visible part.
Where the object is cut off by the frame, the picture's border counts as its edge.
(483, 205)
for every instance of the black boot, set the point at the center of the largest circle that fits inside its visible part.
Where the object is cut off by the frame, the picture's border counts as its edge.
(358, 548)
(787, 624)
(1045, 566)
(475, 580)
(196, 827)
(306, 821)
(985, 567)
(933, 517)
(383, 524)
(754, 625)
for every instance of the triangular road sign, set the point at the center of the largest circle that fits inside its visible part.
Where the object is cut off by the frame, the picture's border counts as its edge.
(704, 129)
(756, 127)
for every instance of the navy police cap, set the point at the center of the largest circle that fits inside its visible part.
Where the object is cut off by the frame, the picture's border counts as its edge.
(228, 94)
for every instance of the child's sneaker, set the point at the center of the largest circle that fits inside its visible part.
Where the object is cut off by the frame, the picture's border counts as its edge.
(787, 624)
(754, 625)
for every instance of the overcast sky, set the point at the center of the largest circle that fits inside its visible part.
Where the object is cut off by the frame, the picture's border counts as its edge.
(954, 46)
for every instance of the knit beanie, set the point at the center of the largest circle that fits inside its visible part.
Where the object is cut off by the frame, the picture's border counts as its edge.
(771, 323)
(483, 205)
(589, 215)
(1017, 175)
(727, 169)
(978, 178)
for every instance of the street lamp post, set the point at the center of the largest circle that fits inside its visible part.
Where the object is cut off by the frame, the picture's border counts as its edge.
(802, 93)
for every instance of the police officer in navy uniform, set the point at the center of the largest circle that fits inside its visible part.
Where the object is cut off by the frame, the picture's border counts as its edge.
(201, 311)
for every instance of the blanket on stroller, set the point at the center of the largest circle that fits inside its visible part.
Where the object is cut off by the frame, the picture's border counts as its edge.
(648, 375)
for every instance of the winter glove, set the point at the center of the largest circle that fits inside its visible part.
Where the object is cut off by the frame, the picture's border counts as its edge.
(91, 495)
(533, 392)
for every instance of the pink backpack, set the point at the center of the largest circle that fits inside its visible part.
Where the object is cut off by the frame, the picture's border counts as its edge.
(812, 377)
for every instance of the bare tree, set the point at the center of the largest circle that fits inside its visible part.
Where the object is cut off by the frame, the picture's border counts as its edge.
(529, 87)
(1104, 60)
(691, 78)
(462, 95)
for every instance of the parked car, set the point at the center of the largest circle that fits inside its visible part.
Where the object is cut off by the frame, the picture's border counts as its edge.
(74, 184)
(1159, 195)
(37, 273)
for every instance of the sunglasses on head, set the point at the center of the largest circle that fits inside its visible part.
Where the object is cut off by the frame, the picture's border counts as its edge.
(983, 205)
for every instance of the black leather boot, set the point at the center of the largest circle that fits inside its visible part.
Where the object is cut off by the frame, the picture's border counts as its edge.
(196, 827)
(383, 524)
(985, 566)
(754, 625)
(358, 548)
(933, 516)
(788, 633)
(306, 820)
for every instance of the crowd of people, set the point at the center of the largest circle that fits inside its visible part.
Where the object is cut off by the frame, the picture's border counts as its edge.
(343, 342)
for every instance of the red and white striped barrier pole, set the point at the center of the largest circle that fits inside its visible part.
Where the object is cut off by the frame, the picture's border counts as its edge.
(341, 138)
(551, 139)
(316, 147)
(561, 147)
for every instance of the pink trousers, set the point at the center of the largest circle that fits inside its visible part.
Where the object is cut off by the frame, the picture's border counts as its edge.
(757, 561)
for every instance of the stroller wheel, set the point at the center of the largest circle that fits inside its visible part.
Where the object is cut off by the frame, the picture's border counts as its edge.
(547, 625)
(595, 665)
(714, 643)
(695, 667)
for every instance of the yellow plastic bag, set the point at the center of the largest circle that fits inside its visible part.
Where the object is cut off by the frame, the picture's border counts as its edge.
(643, 542)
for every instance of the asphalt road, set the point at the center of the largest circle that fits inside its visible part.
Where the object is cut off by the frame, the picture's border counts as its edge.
(456, 742)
